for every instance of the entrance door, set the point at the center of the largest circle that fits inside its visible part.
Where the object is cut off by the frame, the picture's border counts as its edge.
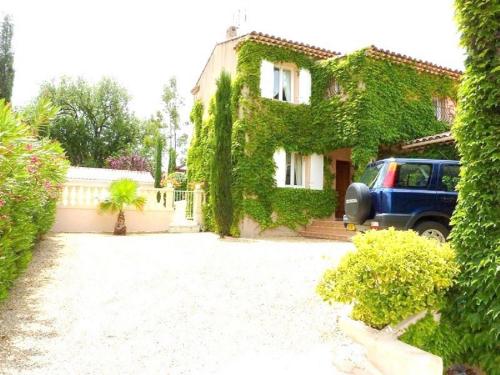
(342, 182)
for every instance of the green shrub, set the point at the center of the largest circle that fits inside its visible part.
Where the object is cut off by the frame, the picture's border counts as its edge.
(392, 276)
(437, 337)
(177, 179)
(31, 176)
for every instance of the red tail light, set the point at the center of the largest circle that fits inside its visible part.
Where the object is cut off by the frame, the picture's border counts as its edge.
(390, 177)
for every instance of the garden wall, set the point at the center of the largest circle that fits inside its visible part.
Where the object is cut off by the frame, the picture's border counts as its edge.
(77, 210)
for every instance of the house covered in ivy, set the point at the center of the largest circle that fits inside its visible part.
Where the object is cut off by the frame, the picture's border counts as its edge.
(307, 120)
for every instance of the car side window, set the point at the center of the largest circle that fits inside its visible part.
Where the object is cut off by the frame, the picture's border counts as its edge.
(414, 175)
(450, 177)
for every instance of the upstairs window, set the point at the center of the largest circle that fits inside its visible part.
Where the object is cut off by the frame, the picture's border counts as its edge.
(294, 169)
(334, 89)
(444, 109)
(282, 88)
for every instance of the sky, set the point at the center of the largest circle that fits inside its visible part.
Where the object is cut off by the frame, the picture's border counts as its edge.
(143, 43)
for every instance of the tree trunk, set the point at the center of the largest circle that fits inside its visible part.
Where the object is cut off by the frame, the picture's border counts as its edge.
(120, 227)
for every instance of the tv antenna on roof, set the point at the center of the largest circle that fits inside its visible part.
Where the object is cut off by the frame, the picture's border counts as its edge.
(240, 19)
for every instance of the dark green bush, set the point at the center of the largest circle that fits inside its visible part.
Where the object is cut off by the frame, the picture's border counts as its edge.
(438, 337)
(31, 175)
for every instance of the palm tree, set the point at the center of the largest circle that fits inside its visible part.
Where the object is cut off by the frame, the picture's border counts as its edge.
(122, 193)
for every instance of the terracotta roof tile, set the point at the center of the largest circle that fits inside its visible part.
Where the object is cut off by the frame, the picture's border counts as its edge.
(441, 138)
(313, 51)
(420, 65)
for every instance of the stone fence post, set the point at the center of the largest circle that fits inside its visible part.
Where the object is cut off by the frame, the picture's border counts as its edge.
(169, 197)
(198, 194)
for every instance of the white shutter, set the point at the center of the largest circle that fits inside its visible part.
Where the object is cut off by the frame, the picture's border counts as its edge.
(280, 171)
(266, 79)
(316, 175)
(304, 86)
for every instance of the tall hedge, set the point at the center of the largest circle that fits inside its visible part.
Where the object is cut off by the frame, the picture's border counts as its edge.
(221, 175)
(475, 308)
(31, 175)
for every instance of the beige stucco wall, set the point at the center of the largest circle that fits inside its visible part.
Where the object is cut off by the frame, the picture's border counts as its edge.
(88, 220)
(249, 228)
(222, 58)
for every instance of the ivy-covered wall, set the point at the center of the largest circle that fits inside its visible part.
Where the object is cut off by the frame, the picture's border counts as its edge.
(380, 103)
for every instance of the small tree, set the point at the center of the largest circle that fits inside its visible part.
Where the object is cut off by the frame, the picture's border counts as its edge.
(158, 156)
(122, 193)
(6, 60)
(221, 174)
(172, 156)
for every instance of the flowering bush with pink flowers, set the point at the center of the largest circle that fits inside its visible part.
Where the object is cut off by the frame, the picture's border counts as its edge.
(132, 162)
(32, 172)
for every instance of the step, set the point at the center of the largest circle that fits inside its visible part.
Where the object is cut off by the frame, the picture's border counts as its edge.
(329, 232)
(183, 228)
(333, 225)
(325, 236)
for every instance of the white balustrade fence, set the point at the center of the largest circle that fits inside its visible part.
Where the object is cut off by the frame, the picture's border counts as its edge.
(77, 209)
(89, 196)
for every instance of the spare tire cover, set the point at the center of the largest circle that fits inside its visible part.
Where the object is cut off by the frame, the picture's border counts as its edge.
(358, 203)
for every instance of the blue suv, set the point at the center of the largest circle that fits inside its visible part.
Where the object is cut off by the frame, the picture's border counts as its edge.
(418, 194)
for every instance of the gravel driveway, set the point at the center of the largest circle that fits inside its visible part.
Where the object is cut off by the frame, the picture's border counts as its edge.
(173, 304)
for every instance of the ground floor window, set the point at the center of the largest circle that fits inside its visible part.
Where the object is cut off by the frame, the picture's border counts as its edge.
(294, 169)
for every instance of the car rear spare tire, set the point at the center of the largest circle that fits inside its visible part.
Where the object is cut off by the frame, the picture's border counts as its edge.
(358, 203)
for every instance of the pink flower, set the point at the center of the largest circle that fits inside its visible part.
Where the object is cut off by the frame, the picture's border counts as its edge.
(29, 147)
(2, 203)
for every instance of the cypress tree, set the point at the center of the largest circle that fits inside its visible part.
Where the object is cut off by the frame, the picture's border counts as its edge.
(172, 156)
(475, 309)
(221, 172)
(159, 150)
(6, 60)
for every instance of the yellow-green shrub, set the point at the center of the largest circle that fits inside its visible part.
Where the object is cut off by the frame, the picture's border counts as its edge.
(392, 275)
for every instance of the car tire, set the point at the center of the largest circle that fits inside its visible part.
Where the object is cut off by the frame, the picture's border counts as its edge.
(433, 229)
(358, 203)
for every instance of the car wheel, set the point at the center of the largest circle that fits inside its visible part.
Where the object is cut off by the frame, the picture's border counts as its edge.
(433, 229)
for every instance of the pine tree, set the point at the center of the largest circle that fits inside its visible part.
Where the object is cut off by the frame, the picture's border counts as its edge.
(221, 174)
(6, 60)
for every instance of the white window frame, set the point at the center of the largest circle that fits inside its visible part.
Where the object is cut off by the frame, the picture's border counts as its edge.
(280, 84)
(439, 107)
(292, 169)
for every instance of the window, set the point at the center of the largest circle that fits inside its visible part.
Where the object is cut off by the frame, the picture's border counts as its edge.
(450, 177)
(333, 89)
(372, 174)
(282, 84)
(294, 169)
(444, 109)
(413, 175)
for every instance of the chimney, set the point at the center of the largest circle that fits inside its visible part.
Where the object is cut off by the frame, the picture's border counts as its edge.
(231, 32)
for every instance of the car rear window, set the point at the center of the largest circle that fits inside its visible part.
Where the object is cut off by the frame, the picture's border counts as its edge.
(372, 175)
(450, 177)
(413, 175)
